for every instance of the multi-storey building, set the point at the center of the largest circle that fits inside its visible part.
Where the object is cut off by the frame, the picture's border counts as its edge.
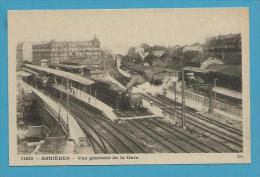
(224, 47)
(67, 51)
(41, 51)
(24, 51)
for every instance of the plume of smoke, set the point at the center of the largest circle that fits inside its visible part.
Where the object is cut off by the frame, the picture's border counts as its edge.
(135, 80)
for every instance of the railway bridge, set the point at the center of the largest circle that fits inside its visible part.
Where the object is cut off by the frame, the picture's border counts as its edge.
(61, 115)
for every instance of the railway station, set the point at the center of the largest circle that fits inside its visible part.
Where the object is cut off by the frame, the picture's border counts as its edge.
(89, 105)
(73, 97)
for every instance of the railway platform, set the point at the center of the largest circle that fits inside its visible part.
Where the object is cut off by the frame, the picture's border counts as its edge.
(228, 92)
(90, 100)
(138, 117)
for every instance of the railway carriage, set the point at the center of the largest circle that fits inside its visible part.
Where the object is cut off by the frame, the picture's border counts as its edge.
(110, 94)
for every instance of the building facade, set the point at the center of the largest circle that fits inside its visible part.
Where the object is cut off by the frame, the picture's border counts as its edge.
(66, 51)
(24, 51)
(224, 47)
(41, 51)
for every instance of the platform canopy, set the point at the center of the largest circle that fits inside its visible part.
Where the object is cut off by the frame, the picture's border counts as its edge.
(68, 66)
(228, 92)
(195, 69)
(30, 71)
(64, 74)
(23, 74)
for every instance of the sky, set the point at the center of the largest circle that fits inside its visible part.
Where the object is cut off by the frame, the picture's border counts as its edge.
(118, 30)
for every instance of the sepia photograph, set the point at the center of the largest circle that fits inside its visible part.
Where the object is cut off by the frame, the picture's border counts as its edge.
(128, 86)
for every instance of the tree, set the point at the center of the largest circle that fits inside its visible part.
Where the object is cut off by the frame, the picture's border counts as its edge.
(146, 47)
(150, 58)
(131, 52)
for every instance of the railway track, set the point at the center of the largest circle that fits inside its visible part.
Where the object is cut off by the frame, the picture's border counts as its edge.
(178, 144)
(181, 135)
(198, 120)
(205, 118)
(234, 142)
(177, 141)
(132, 145)
(187, 140)
(159, 138)
(203, 146)
(96, 141)
(180, 141)
(207, 140)
(105, 137)
(118, 141)
(150, 139)
(155, 127)
(113, 141)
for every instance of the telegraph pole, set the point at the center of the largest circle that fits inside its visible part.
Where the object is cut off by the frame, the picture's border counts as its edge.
(117, 108)
(183, 95)
(67, 107)
(175, 99)
(95, 97)
(104, 73)
(210, 98)
(215, 85)
(183, 101)
(90, 90)
(164, 94)
(60, 104)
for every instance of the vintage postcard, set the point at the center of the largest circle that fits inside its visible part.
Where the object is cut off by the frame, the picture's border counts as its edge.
(129, 86)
